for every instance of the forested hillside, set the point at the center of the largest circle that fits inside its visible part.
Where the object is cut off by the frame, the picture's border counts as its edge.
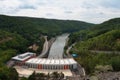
(31, 28)
(101, 37)
(10, 45)
(109, 41)
(97, 30)
(11, 42)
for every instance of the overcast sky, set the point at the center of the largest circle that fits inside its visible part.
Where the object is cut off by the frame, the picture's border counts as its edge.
(95, 11)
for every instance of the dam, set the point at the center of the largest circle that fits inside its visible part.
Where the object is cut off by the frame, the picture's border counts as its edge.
(55, 60)
(57, 49)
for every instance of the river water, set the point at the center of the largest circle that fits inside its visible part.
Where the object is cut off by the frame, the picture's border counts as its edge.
(57, 48)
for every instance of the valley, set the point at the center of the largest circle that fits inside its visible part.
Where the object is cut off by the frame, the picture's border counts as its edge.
(18, 33)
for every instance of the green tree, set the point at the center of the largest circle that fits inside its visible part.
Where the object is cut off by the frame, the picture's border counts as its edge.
(32, 77)
(13, 75)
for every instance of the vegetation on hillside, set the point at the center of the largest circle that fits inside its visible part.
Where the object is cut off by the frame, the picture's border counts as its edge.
(90, 61)
(32, 28)
(5, 74)
(113, 24)
(102, 37)
(10, 45)
(109, 41)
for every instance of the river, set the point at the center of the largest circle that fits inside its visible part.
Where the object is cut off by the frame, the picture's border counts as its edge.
(57, 48)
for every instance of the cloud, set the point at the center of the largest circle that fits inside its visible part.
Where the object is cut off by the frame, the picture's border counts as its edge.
(7, 6)
(95, 11)
(68, 12)
(27, 7)
(111, 4)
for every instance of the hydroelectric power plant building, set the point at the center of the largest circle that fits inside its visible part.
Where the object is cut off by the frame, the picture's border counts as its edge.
(55, 60)
(29, 60)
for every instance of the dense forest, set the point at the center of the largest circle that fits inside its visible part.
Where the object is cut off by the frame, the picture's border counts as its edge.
(18, 33)
(96, 30)
(101, 37)
(10, 45)
(109, 41)
(31, 28)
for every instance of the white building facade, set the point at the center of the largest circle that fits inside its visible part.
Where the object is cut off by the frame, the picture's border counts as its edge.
(29, 60)
(51, 64)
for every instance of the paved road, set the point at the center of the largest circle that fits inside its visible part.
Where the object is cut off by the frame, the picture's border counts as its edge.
(45, 48)
(80, 72)
(68, 50)
(107, 52)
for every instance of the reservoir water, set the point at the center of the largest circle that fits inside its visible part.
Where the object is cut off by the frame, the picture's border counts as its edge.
(57, 48)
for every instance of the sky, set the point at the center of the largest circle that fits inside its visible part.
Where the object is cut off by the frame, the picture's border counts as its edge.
(93, 11)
